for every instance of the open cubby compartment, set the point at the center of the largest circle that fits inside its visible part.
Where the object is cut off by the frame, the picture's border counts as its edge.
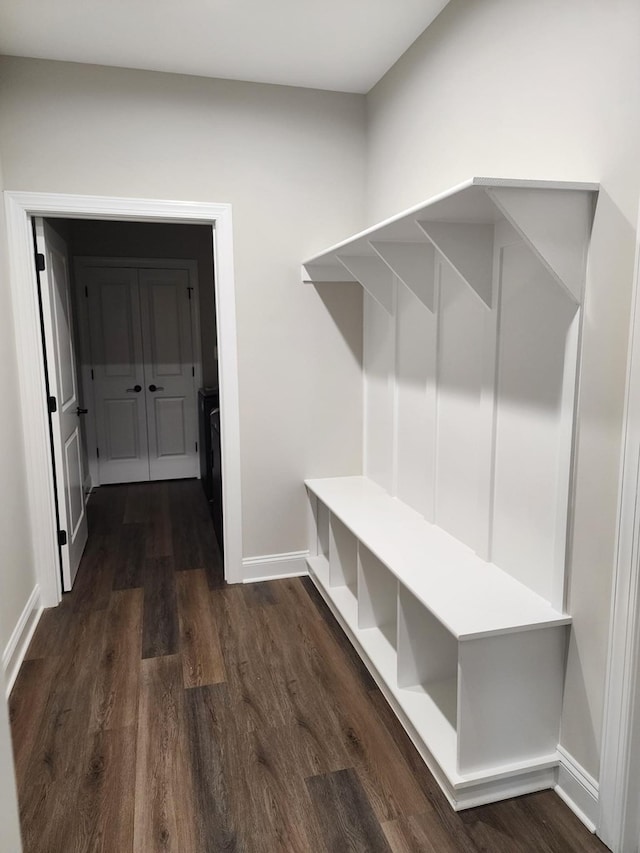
(510, 699)
(343, 556)
(427, 664)
(324, 517)
(318, 519)
(377, 598)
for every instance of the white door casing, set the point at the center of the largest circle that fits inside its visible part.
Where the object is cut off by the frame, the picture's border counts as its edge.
(169, 373)
(20, 207)
(117, 372)
(55, 288)
(619, 819)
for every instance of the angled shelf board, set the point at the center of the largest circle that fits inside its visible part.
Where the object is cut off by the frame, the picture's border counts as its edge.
(553, 217)
(445, 563)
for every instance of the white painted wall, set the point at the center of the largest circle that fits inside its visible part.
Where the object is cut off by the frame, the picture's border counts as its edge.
(9, 821)
(290, 162)
(16, 557)
(16, 562)
(538, 89)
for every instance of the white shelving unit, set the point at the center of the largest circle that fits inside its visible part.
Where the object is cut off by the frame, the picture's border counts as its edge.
(445, 563)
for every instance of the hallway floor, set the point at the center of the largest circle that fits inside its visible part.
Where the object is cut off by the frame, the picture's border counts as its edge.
(160, 710)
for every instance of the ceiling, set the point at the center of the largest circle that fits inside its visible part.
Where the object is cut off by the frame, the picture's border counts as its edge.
(343, 45)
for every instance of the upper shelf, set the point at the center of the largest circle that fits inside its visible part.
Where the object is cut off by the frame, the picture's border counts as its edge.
(552, 217)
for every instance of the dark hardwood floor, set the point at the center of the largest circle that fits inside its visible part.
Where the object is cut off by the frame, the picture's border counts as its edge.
(160, 710)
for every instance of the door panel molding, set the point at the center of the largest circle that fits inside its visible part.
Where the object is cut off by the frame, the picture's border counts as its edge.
(59, 346)
(83, 266)
(20, 207)
(112, 356)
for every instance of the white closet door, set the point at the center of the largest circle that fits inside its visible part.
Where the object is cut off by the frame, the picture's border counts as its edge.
(118, 374)
(169, 373)
(63, 385)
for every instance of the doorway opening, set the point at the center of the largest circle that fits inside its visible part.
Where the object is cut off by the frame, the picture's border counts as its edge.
(216, 219)
(129, 327)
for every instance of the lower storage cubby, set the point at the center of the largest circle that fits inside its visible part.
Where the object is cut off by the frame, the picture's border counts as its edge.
(470, 660)
(343, 557)
(427, 658)
(377, 612)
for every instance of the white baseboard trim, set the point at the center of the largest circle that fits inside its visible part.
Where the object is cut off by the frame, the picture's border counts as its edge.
(274, 566)
(20, 638)
(578, 789)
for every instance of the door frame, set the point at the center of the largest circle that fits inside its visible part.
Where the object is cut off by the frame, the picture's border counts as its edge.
(84, 262)
(20, 207)
(619, 794)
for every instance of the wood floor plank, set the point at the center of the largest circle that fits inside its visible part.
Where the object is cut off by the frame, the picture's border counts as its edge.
(100, 819)
(26, 708)
(112, 821)
(187, 545)
(313, 723)
(202, 661)
(259, 594)
(344, 813)
(164, 818)
(388, 781)
(255, 696)
(130, 559)
(445, 823)
(160, 631)
(53, 627)
(194, 542)
(114, 700)
(92, 587)
(105, 509)
(138, 507)
(554, 823)
(159, 540)
(291, 825)
(338, 634)
(207, 716)
(61, 744)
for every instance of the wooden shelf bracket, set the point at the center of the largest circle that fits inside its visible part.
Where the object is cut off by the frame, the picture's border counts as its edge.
(413, 264)
(468, 248)
(373, 274)
(556, 227)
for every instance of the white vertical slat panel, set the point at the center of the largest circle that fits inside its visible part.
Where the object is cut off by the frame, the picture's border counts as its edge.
(379, 356)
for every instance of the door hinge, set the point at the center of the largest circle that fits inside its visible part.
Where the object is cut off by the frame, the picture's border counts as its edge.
(40, 262)
(86, 291)
(92, 376)
(62, 537)
(196, 446)
(53, 405)
(189, 289)
(193, 371)
(98, 452)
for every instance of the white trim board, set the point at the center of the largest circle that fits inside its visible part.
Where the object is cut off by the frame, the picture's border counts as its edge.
(20, 207)
(578, 789)
(619, 820)
(20, 638)
(275, 566)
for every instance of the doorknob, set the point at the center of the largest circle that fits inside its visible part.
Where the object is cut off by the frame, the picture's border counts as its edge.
(80, 411)
(136, 389)
(156, 388)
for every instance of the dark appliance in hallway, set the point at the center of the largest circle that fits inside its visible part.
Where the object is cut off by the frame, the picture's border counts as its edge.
(210, 455)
